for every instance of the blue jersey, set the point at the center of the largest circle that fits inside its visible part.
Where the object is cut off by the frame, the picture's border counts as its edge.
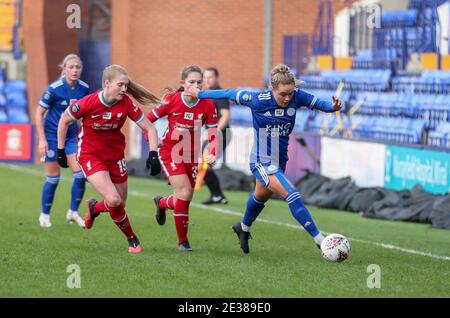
(273, 124)
(58, 96)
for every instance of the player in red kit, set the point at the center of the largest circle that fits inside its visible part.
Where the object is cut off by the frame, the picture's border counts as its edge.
(101, 144)
(180, 148)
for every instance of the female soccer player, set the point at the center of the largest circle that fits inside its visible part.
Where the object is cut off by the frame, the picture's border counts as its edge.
(57, 97)
(273, 120)
(180, 147)
(101, 144)
(211, 81)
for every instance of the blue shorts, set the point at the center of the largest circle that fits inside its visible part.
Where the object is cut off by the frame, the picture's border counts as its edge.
(70, 148)
(262, 171)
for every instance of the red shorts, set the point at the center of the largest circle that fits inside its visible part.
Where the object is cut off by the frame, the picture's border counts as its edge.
(172, 168)
(117, 170)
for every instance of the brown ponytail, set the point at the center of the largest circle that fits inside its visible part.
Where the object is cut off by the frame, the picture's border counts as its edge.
(137, 91)
(184, 74)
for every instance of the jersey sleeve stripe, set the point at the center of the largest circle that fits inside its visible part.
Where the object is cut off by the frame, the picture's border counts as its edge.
(311, 106)
(155, 113)
(70, 114)
(238, 95)
(41, 103)
(140, 118)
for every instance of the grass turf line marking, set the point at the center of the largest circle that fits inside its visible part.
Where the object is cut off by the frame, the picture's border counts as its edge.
(230, 212)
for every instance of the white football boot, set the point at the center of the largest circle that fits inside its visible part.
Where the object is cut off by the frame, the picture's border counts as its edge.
(44, 220)
(74, 217)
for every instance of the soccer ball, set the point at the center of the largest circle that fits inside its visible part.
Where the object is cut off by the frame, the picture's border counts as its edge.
(335, 248)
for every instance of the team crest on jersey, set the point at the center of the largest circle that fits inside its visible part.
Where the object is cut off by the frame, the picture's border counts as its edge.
(119, 115)
(50, 153)
(279, 112)
(75, 108)
(189, 116)
(291, 111)
(107, 115)
(200, 116)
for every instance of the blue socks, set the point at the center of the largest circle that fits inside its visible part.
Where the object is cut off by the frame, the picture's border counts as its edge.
(48, 193)
(301, 213)
(254, 208)
(77, 192)
(49, 189)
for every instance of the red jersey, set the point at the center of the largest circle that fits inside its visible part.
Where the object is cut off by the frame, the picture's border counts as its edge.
(184, 121)
(100, 137)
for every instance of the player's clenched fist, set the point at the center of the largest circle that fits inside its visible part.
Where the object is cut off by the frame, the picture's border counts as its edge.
(62, 158)
(153, 163)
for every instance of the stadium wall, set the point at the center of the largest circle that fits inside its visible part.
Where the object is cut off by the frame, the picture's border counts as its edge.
(155, 39)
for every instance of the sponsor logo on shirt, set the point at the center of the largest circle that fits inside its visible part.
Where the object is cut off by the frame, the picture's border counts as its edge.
(279, 112)
(189, 116)
(279, 130)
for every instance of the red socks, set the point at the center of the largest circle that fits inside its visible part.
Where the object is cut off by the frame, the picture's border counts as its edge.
(167, 202)
(100, 207)
(181, 216)
(120, 218)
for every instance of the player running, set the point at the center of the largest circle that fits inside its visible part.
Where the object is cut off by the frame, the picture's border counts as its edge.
(180, 148)
(273, 120)
(57, 97)
(101, 144)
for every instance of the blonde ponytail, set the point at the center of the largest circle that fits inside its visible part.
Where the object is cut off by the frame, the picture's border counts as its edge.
(137, 91)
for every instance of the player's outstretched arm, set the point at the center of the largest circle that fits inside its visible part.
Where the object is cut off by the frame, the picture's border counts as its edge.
(213, 94)
(303, 98)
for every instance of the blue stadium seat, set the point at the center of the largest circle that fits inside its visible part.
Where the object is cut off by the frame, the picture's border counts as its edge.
(3, 117)
(15, 86)
(16, 100)
(18, 117)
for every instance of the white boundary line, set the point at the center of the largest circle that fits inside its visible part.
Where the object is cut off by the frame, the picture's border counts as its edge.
(230, 212)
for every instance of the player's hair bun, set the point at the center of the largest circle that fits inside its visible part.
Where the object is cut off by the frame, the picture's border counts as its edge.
(280, 69)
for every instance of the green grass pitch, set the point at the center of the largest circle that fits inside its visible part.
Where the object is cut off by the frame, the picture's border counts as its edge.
(283, 262)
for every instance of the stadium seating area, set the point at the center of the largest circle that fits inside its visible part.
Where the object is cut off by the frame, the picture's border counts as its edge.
(417, 111)
(13, 101)
(411, 110)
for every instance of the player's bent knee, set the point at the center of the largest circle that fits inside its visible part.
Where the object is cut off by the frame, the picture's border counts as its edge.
(113, 200)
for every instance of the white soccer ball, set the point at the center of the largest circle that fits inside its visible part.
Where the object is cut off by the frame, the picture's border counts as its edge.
(335, 248)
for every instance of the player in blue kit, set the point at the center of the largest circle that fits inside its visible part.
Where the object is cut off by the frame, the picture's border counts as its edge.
(273, 113)
(57, 97)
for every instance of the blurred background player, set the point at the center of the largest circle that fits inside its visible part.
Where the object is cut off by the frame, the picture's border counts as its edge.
(180, 147)
(57, 97)
(273, 113)
(102, 144)
(210, 82)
